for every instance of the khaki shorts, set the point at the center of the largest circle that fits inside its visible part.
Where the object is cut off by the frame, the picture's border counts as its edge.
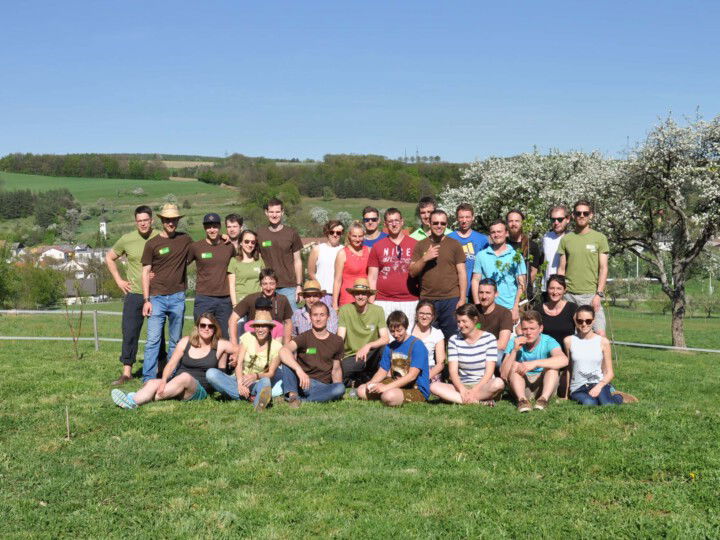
(534, 385)
(410, 395)
(497, 394)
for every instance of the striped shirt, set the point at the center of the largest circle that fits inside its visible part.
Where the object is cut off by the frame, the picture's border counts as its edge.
(471, 357)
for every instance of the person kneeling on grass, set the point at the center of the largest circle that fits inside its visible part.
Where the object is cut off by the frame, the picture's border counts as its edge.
(592, 368)
(184, 375)
(471, 362)
(403, 375)
(257, 368)
(531, 364)
(316, 375)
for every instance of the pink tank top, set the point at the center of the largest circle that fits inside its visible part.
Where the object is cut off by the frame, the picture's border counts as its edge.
(355, 267)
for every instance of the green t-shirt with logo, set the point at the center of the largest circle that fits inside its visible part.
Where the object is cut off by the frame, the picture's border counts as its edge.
(246, 276)
(362, 328)
(132, 245)
(582, 255)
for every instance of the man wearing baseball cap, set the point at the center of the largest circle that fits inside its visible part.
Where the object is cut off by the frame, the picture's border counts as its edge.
(212, 256)
(165, 256)
(362, 326)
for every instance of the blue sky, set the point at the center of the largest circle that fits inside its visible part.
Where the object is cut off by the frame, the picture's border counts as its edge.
(462, 80)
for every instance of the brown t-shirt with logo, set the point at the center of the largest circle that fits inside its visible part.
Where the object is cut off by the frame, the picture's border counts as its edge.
(277, 249)
(167, 258)
(211, 262)
(316, 356)
(439, 277)
(281, 310)
(499, 319)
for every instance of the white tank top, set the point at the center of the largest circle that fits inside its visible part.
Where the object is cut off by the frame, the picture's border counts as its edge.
(326, 265)
(587, 359)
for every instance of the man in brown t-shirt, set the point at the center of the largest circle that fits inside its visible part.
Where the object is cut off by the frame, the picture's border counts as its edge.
(280, 249)
(439, 262)
(165, 256)
(212, 256)
(316, 375)
(280, 312)
(494, 318)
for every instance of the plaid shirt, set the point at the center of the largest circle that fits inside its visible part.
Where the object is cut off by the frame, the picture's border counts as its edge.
(301, 321)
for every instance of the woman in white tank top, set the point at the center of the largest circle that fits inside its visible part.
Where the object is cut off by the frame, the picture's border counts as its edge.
(321, 262)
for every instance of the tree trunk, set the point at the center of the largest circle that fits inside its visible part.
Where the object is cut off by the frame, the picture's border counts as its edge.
(678, 314)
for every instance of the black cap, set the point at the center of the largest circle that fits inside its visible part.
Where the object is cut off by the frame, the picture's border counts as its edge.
(211, 218)
(261, 302)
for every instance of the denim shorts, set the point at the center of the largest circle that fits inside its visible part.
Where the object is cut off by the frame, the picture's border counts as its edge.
(200, 392)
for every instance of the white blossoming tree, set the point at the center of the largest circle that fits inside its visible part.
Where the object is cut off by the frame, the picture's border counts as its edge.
(664, 199)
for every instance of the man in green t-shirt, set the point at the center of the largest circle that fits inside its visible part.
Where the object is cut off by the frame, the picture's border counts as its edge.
(131, 246)
(362, 326)
(584, 263)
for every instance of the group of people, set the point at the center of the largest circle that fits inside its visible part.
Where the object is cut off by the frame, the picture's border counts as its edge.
(395, 315)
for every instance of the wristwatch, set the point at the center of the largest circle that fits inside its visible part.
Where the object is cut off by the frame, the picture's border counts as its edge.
(600, 294)
(146, 299)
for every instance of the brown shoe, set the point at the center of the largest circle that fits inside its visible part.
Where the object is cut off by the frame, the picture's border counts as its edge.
(541, 404)
(263, 399)
(293, 401)
(122, 380)
(523, 405)
(627, 398)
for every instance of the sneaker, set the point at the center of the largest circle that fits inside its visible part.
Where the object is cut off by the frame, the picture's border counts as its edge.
(293, 401)
(523, 405)
(263, 399)
(541, 404)
(626, 398)
(122, 400)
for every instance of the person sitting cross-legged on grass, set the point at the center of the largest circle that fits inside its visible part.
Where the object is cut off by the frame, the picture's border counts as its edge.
(257, 365)
(591, 360)
(184, 376)
(316, 375)
(531, 364)
(471, 363)
(403, 375)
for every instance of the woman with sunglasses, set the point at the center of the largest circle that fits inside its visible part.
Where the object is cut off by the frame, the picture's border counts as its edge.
(351, 264)
(591, 360)
(244, 269)
(184, 376)
(558, 322)
(321, 261)
(432, 338)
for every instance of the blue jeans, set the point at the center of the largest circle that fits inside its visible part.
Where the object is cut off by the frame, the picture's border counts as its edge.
(290, 294)
(227, 384)
(318, 391)
(445, 316)
(220, 306)
(605, 397)
(171, 306)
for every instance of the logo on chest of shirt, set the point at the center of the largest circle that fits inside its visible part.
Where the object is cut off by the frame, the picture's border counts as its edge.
(207, 255)
(311, 350)
(164, 251)
(267, 243)
(591, 247)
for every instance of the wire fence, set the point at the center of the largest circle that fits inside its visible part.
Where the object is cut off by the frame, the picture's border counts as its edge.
(98, 339)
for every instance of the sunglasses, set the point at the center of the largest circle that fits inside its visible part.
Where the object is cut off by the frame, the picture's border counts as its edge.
(206, 326)
(581, 322)
(439, 223)
(554, 219)
(335, 233)
(581, 213)
(424, 314)
(250, 242)
(371, 219)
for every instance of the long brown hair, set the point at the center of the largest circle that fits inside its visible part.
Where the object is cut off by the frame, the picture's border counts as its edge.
(255, 254)
(195, 334)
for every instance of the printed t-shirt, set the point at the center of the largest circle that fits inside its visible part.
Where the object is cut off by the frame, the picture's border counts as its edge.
(392, 260)
(472, 357)
(132, 245)
(472, 245)
(246, 276)
(395, 361)
(561, 325)
(211, 262)
(277, 249)
(254, 362)
(281, 310)
(167, 258)
(439, 277)
(505, 277)
(362, 328)
(542, 350)
(316, 356)
(499, 319)
(371, 243)
(582, 256)
(550, 244)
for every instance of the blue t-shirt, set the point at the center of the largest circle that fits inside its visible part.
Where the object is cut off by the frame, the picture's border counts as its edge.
(371, 243)
(472, 245)
(398, 365)
(486, 264)
(541, 351)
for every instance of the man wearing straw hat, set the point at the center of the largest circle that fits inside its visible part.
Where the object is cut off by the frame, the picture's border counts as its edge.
(164, 296)
(312, 293)
(362, 326)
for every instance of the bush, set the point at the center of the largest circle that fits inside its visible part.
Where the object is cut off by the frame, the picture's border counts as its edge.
(38, 287)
